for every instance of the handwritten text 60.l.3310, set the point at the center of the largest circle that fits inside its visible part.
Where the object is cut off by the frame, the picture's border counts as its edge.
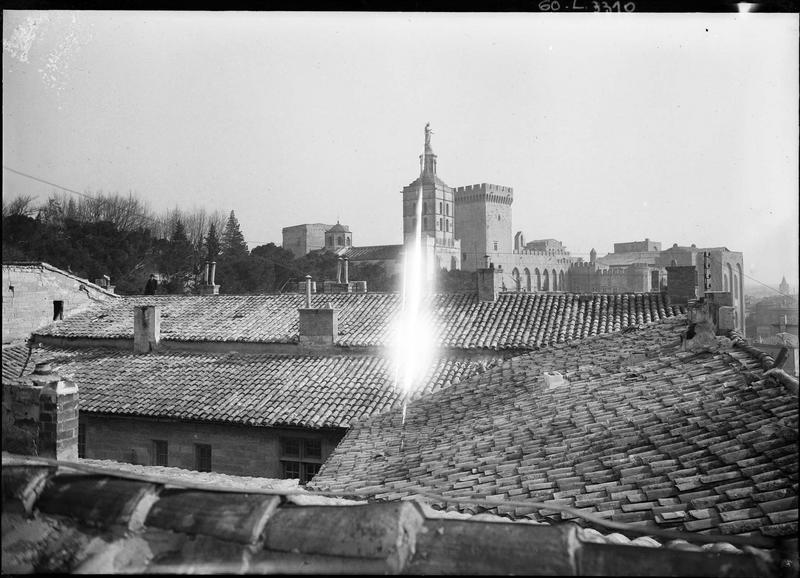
(584, 6)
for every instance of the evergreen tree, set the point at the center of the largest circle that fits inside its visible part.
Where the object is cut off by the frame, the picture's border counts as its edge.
(212, 243)
(233, 243)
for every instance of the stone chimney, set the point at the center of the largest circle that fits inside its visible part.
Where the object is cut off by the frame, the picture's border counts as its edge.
(681, 284)
(40, 415)
(318, 327)
(105, 283)
(209, 287)
(490, 282)
(346, 268)
(146, 328)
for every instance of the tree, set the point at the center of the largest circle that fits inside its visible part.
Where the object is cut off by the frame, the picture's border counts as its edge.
(212, 243)
(233, 243)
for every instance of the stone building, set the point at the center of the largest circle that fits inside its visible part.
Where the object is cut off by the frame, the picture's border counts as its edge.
(437, 213)
(302, 239)
(36, 294)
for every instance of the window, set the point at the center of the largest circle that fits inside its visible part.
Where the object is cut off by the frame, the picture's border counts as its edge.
(58, 310)
(81, 440)
(440, 223)
(498, 217)
(464, 257)
(447, 225)
(159, 455)
(495, 245)
(440, 207)
(301, 458)
(202, 457)
(447, 208)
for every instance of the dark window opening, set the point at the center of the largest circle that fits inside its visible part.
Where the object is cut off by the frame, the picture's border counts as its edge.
(301, 458)
(159, 457)
(202, 457)
(81, 440)
(58, 310)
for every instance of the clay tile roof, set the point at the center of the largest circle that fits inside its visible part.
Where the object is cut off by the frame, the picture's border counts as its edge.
(253, 389)
(373, 252)
(79, 517)
(513, 321)
(634, 430)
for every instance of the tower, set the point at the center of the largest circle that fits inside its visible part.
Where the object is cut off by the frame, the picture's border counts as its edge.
(483, 223)
(438, 211)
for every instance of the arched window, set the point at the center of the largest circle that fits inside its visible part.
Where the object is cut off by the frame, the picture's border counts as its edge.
(538, 279)
(347, 241)
(527, 279)
(546, 281)
(673, 263)
(561, 280)
(555, 279)
(515, 275)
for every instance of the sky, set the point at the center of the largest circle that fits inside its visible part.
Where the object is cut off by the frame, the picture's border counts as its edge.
(680, 128)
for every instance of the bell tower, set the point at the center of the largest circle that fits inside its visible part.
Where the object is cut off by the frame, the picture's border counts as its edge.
(438, 210)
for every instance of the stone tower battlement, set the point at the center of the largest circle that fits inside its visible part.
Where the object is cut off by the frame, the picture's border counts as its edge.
(484, 192)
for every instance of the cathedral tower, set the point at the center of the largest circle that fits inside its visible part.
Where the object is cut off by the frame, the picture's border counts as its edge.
(438, 211)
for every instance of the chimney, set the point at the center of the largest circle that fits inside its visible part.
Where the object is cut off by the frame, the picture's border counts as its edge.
(318, 327)
(308, 291)
(490, 282)
(40, 415)
(681, 284)
(209, 287)
(146, 328)
(346, 274)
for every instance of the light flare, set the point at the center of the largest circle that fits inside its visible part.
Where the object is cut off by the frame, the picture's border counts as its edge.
(413, 334)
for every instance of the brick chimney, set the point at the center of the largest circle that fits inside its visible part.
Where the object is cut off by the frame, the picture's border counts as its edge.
(317, 326)
(146, 328)
(490, 281)
(209, 287)
(40, 415)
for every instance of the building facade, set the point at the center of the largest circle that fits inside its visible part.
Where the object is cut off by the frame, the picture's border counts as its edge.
(36, 294)
(301, 239)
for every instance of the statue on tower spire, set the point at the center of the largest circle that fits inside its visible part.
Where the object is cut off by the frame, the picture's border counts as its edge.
(428, 133)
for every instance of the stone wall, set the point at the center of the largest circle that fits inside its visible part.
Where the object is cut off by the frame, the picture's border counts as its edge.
(483, 217)
(235, 449)
(31, 293)
(300, 239)
(40, 415)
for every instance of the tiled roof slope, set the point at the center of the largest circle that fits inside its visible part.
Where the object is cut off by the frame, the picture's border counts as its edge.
(252, 389)
(67, 518)
(372, 252)
(639, 432)
(514, 320)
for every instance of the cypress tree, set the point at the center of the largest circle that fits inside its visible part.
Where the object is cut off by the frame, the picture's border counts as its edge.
(233, 243)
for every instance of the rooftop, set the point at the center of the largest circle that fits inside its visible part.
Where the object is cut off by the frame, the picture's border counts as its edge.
(251, 389)
(633, 430)
(94, 518)
(461, 321)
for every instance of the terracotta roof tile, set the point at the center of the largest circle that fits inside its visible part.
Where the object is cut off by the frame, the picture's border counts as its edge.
(514, 320)
(257, 389)
(668, 447)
